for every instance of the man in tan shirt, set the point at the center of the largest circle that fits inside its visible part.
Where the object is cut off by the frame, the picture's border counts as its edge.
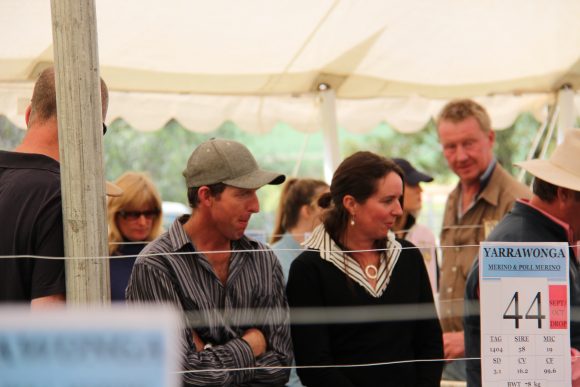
(484, 194)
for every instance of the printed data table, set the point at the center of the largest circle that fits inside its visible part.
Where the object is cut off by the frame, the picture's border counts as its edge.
(525, 327)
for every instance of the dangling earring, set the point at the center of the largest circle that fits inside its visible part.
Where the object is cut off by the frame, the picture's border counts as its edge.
(352, 221)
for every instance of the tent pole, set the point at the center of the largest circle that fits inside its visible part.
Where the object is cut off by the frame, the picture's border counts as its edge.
(81, 143)
(536, 142)
(566, 105)
(553, 120)
(301, 157)
(329, 130)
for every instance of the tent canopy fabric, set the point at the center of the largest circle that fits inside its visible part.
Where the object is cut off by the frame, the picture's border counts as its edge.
(259, 62)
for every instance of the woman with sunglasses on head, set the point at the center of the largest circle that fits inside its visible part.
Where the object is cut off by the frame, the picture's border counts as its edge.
(134, 219)
(386, 332)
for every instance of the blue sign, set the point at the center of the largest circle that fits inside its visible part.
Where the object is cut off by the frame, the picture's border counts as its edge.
(96, 348)
(524, 261)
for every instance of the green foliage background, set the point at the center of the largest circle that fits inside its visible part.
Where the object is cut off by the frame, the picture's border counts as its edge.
(10, 134)
(422, 149)
(164, 153)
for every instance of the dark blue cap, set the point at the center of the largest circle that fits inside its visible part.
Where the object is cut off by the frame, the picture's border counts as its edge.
(412, 176)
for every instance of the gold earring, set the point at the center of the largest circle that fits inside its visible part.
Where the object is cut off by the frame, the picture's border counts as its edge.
(352, 221)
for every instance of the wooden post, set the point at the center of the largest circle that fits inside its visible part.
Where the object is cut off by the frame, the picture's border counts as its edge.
(80, 120)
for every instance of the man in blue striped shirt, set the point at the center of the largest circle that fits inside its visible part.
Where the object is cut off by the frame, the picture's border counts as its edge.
(230, 287)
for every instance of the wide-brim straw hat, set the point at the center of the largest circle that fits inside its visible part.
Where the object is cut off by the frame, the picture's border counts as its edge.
(563, 167)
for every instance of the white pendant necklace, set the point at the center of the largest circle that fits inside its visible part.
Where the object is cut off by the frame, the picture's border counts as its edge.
(371, 271)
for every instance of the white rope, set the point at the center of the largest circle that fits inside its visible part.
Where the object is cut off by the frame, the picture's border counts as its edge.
(230, 251)
(462, 227)
(333, 365)
(324, 366)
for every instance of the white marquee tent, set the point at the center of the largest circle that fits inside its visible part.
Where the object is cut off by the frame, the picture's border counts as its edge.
(259, 62)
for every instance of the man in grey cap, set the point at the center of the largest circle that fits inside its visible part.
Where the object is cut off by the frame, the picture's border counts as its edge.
(551, 215)
(231, 285)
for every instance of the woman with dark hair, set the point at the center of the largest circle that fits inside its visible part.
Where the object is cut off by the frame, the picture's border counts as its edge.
(298, 214)
(354, 260)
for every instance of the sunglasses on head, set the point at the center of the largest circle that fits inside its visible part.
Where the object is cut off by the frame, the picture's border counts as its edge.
(134, 215)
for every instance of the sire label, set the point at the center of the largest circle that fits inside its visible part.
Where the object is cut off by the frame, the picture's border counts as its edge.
(525, 326)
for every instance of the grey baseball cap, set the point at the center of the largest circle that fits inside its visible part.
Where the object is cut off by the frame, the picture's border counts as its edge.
(229, 162)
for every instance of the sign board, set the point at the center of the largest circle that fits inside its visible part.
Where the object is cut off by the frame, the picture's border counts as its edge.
(113, 347)
(525, 323)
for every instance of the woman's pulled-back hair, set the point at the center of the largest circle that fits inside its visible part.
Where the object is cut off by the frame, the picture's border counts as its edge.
(295, 194)
(139, 193)
(357, 176)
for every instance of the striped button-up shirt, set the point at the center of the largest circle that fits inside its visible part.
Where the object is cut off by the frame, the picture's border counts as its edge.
(169, 270)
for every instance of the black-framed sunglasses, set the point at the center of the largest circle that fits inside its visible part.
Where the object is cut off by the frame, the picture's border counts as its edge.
(134, 215)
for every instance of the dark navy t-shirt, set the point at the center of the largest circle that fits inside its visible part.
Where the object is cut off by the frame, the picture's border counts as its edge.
(121, 268)
(31, 225)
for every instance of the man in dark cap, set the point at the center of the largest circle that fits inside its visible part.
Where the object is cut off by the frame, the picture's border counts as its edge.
(233, 285)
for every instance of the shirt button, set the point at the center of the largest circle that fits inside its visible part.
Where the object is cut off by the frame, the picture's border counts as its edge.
(454, 269)
(457, 248)
(449, 312)
(449, 289)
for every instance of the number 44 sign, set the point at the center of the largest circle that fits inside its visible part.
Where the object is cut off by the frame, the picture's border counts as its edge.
(525, 326)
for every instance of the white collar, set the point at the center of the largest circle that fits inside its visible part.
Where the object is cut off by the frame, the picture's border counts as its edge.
(331, 252)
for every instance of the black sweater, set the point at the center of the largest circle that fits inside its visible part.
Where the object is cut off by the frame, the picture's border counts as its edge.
(314, 282)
